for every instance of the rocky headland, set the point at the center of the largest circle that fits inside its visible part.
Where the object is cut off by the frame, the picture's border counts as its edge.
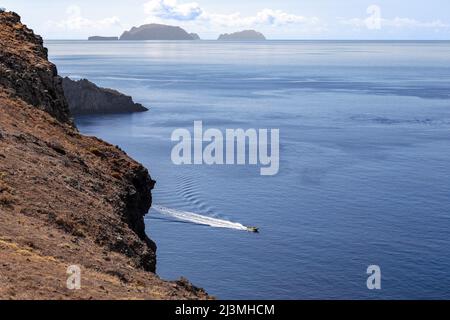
(66, 199)
(84, 97)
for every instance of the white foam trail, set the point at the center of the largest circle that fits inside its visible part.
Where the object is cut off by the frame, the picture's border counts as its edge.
(199, 219)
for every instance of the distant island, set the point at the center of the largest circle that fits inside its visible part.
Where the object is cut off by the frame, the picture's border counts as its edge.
(155, 31)
(158, 32)
(247, 35)
(194, 36)
(100, 38)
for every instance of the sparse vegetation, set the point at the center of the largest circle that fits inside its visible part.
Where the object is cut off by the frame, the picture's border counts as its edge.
(96, 152)
(64, 224)
(46, 225)
(117, 175)
(79, 233)
(6, 199)
(4, 188)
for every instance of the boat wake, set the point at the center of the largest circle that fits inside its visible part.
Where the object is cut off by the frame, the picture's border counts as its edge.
(199, 219)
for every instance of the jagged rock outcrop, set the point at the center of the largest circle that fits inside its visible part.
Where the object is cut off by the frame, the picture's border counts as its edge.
(246, 35)
(100, 38)
(84, 97)
(156, 31)
(66, 199)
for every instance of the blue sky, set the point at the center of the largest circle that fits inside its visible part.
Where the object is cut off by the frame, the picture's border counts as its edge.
(282, 19)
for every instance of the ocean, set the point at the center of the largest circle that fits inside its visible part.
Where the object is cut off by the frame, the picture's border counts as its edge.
(364, 173)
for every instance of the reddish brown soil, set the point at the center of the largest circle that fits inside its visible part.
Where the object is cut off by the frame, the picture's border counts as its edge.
(66, 199)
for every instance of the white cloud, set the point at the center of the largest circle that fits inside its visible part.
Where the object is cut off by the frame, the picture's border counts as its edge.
(354, 22)
(266, 17)
(76, 21)
(376, 21)
(396, 22)
(192, 12)
(412, 23)
(170, 9)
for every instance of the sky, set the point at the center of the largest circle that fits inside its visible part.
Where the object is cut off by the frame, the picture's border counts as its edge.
(277, 19)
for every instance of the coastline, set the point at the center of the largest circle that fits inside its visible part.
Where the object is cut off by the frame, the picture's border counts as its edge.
(67, 199)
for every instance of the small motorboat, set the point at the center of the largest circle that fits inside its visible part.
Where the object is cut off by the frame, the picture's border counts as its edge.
(253, 229)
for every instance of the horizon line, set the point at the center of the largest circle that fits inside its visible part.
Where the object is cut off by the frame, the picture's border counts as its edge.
(216, 40)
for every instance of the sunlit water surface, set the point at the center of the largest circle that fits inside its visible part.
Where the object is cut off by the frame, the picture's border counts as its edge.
(364, 176)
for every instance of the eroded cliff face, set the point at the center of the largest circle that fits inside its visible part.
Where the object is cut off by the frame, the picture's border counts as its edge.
(66, 199)
(84, 97)
(25, 71)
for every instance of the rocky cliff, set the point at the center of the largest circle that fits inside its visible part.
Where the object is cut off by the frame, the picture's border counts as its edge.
(246, 35)
(156, 31)
(84, 97)
(66, 199)
(38, 86)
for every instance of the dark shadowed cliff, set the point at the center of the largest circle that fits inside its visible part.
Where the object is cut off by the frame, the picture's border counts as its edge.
(66, 199)
(84, 97)
(25, 71)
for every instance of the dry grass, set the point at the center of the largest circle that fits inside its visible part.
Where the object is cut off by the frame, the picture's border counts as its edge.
(39, 207)
(6, 194)
(117, 175)
(7, 200)
(97, 152)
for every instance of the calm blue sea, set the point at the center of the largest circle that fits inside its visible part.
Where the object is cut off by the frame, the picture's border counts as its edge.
(365, 161)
